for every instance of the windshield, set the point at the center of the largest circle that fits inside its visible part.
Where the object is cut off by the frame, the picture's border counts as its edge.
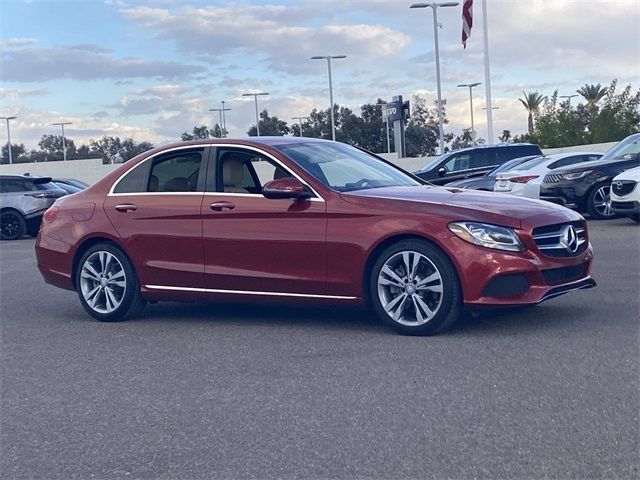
(510, 165)
(627, 149)
(344, 168)
(434, 162)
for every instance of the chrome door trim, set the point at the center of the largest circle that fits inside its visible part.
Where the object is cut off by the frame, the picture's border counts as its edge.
(247, 292)
(318, 197)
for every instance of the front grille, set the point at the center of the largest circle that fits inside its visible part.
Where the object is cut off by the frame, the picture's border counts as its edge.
(623, 206)
(564, 274)
(552, 178)
(561, 240)
(623, 187)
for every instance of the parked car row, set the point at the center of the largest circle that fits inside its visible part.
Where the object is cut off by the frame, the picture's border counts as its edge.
(25, 198)
(578, 180)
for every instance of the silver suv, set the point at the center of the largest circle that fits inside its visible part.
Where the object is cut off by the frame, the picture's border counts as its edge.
(23, 201)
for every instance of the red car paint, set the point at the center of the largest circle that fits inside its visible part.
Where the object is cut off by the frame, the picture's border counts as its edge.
(182, 248)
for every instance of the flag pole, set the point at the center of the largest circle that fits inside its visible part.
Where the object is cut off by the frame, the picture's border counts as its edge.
(487, 74)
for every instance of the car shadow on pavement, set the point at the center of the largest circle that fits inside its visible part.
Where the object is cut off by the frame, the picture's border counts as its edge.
(242, 314)
(487, 322)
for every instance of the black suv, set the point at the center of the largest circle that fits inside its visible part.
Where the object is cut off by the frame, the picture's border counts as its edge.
(586, 187)
(473, 161)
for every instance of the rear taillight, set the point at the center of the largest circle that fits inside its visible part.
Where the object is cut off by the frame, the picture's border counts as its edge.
(525, 179)
(50, 215)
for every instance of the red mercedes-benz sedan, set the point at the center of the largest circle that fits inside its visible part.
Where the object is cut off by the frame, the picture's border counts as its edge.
(304, 219)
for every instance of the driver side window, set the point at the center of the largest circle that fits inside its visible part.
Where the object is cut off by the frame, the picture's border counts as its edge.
(246, 172)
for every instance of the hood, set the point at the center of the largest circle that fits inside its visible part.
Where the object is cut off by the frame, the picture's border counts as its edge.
(490, 207)
(589, 165)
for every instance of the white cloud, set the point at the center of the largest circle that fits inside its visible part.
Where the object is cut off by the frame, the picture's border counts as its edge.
(84, 62)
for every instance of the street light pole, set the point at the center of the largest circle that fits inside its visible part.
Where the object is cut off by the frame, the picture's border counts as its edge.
(568, 97)
(255, 99)
(219, 110)
(470, 86)
(224, 118)
(9, 137)
(434, 7)
(64, 141)
(328, 58)
(300, 121)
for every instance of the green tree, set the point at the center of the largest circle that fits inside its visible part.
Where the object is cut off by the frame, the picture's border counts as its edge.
(531, 102)
(422, 132)
(506, 136)
(18, 153)
(462, 141)
(618, 117)
(557, 125)
(200, 133)
(592, 94)
(109, 147)
(51, 145)
(269, 126)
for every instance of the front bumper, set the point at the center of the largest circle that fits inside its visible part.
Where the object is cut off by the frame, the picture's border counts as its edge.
(498, 278)
(626, 208)
(560, 194)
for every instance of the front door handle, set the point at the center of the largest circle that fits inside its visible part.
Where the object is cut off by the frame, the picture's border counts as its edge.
(220, 206)
(126, 207)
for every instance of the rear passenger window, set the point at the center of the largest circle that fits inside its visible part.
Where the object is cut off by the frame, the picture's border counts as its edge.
(177, 173)
(174, 172)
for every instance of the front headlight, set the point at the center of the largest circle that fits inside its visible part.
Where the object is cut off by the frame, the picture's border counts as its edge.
(486, 235)
(576, 175)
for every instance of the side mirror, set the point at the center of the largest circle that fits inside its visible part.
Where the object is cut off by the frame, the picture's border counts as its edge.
(288, 187)
(442, 171)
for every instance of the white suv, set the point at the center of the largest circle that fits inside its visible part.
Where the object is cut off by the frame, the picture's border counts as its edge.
(625, 194)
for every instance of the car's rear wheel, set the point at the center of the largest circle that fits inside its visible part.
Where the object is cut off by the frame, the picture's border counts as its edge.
(107, 284)
(415, 288)
(12, 225)
(599, 202)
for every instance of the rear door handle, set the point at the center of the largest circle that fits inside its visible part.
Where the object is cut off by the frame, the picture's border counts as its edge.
(126, 207)
(220, 206)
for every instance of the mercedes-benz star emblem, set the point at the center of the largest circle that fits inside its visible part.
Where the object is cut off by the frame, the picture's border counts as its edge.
(570, 239)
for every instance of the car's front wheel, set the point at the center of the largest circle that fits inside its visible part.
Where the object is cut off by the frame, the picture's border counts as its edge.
(12, 225)
(414, 288)
(107, 284)
(599, 202)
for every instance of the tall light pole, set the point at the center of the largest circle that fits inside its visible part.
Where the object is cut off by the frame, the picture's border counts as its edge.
(568, 97)
(255, 99)
(470, 86)
(224, 118)
(64, 141)
(300, 120)
(9, 136)
(434, 6)
(328, 58)
(223, 121)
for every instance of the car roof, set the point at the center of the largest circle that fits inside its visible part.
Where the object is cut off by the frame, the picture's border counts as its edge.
(497, 145)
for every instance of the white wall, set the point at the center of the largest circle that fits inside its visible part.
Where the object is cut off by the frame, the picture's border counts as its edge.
(90, 171)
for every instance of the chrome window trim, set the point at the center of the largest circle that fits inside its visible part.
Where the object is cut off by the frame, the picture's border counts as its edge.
(317, 198)
(247, 292)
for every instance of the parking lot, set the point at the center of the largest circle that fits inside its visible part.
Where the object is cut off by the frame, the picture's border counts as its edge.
(241, 391)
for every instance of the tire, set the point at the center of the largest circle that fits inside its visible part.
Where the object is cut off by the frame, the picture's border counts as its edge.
(107, 284)
(428, 302)
(599, 202)
(12, 225)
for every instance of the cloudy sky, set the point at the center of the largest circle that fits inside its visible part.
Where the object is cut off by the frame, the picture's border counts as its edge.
(152, 69)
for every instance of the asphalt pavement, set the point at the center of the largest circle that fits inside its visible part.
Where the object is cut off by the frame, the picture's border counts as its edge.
(235, 391)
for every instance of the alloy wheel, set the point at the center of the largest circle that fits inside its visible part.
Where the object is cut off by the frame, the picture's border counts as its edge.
(103, 282)
(602, 201)
(410, 288)
(10, 226)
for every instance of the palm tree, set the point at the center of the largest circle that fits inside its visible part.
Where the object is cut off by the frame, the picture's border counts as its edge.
(532, 102)
(592, 94)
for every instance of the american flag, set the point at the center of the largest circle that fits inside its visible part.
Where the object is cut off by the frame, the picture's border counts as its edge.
(467, 21)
